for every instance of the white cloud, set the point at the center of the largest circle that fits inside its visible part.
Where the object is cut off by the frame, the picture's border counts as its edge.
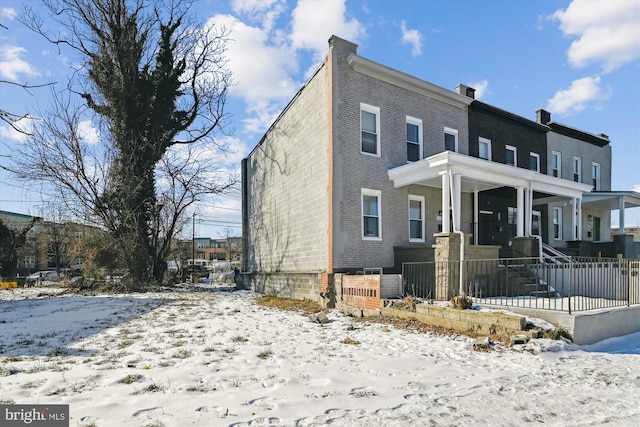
(265, 62)
(88, 133)
(24, 124)
(263, 11)
(12, 65)
(607, 33)
(481, 87)
(577, 97)
(636, 188)
(261, 68)
(413, 38)
(315, 21)
(8, 12)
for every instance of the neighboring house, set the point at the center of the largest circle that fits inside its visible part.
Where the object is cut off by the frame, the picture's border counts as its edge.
(501, 137)
(634, 231)
(368, 167)
(580, 157)
(49, 245)
(207, 251)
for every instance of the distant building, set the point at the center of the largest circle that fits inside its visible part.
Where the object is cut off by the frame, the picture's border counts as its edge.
(634, 231)
(49, 245)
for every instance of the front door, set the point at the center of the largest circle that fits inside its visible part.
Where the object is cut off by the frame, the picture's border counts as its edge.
(536, 223)
(596, 229)
(486, 231)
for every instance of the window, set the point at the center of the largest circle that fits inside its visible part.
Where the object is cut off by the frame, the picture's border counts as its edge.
(511, 156)
(484, 148)
(451, 140)
(577, 168)
(556, 161)
(414, 139)
(512, 215)
(29, 261)
(416, 218)
(78, 262)
(371, 218)
(534, 162)
(595, 176)
(557, 223)
(370, 129)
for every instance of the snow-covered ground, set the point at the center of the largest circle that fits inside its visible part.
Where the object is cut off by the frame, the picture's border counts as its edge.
(209, 358)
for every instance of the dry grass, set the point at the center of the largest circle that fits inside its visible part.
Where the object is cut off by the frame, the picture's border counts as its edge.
(289, 304)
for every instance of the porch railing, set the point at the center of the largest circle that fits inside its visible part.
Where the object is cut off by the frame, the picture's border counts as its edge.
(570, 284)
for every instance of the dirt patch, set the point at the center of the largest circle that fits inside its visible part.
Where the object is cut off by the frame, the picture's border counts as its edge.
(289, 304)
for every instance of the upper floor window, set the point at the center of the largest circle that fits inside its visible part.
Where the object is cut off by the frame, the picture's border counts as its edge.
(511, 157)
(414, 139)
(556, 161)
(534, 162)
(577, 169)
(451, 140)
(416, 218)
(370, 129)
(595, 176)
(371, 217)
(484, 148)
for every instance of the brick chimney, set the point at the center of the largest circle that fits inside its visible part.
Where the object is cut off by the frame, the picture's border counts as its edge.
(543, 116)
(466, 91)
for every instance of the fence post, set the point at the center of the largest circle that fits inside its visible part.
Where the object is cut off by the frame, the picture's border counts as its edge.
(570, 281)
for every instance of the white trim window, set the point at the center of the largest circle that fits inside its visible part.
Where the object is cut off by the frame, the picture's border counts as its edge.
(511, 155)
(370, 130)
(534, 161)
(416, 218)
(577, 169)
(450, 139)
(595, 176)
(371, 214)
(556, 164)
(414, 139)
(30, 261)
(484, 148)
(557, 223)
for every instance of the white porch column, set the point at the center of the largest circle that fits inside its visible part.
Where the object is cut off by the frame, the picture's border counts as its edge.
(621, 214)
(457, 201)
(520, 212)
(476, 216)
(574, 211)
(529, 215)
(446, 223)
(579, 218)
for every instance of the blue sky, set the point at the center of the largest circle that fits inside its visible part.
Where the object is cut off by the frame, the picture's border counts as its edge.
(580, 60)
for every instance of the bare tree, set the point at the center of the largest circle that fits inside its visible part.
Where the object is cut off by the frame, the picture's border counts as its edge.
(156, 85)
(10, 241)
(11, 118)
(233, 244)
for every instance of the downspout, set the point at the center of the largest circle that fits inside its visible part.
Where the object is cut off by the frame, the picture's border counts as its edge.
(457, 231)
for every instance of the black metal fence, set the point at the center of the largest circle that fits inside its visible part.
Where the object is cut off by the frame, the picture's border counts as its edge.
(567, 284)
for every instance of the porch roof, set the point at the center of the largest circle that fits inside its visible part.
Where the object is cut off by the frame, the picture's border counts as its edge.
(480, 175)
(611, 200)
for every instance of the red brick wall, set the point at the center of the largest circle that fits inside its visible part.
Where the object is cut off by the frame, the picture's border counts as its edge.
(363, 291)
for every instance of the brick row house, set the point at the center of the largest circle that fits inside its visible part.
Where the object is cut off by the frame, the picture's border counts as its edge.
(367, 167)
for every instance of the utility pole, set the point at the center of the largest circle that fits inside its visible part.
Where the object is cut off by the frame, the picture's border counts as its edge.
(193, 241)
